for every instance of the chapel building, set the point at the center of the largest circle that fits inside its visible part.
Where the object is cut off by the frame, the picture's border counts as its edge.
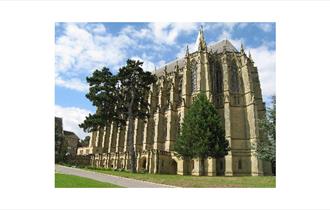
(229, 79)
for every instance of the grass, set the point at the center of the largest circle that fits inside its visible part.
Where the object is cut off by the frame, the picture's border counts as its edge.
(197, 181)
(70, 181)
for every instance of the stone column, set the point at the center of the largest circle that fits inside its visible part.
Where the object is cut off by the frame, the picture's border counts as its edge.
(119, 130)
(114, 134)
(122, 139)
(126, 149)
(204, 74)
(227, 117)
(171, 129)
(158, 138)
(105, 142)
(159, 118)
(252, 116)
(137, 138)
(110, 138)
(211, 167)
(198, 170)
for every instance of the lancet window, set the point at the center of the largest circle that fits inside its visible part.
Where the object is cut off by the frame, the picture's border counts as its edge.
(217, 71)
(193, 69)
(234, 83)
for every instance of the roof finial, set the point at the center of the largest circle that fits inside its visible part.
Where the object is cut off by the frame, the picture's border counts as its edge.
(187, 51)
(250, 57)
(242, 47)
(201, 44)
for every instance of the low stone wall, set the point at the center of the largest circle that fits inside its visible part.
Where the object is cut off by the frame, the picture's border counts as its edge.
(80, 160)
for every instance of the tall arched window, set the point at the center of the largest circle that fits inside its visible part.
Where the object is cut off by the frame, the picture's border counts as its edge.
(217, 71)
(193, 69)
(234, 83)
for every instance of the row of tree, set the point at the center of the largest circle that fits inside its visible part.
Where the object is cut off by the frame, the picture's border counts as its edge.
(119, 99)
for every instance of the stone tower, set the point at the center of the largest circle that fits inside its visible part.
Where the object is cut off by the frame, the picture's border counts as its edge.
(230, 81)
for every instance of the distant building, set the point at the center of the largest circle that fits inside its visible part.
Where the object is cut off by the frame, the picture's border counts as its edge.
(66, 142)
(59, 139)
(71, 143)
(84, 151)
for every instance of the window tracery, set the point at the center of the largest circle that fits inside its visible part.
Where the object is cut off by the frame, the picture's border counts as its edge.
(234, 83)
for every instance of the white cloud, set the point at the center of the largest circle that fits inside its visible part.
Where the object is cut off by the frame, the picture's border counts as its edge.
(73, 83)
(265, 61)
(167, 33)
(266, 27)
(224, 26)
(98, 28)
(83, 48)
(147, 65)
(72, 117)
(192, 48)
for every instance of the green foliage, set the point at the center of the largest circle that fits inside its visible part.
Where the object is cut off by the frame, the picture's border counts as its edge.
(202, 133)
(266, 150)
(103, 93)
(71, 181)
(84, 142)
(134, 85)
(119, 98)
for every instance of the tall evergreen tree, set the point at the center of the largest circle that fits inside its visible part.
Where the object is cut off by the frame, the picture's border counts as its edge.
(266, 150)
(103, 93)
(202, 133)
(134, 85)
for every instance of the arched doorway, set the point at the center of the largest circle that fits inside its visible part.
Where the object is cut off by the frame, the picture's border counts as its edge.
(173, 167)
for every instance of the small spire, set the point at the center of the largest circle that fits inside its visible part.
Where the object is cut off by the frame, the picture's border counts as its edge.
(187, 51)
(242, 47)
(201, 44)
(250, 57)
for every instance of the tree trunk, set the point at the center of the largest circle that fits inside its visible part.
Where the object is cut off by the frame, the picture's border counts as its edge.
(130, 134)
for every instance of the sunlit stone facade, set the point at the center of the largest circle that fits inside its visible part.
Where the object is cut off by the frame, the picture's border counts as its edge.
(229, 79)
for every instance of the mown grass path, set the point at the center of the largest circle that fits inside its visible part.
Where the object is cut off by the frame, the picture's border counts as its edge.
(197, 181)
(102, 177)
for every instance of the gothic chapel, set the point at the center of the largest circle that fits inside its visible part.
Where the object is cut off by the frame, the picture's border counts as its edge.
(229, 79)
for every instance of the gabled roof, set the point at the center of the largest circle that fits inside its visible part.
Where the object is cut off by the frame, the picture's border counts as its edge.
(218, 47)
(70, 133)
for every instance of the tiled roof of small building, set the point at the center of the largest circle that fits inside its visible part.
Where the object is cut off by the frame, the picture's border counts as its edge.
(70, 133)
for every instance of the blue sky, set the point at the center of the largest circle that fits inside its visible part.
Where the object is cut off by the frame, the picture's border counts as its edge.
(80, 48)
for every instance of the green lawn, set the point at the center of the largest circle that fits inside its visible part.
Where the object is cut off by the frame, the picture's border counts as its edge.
(70, 181)
(197, 181)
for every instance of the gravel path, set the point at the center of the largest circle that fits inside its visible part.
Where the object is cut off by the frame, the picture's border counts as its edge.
(121, 181)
